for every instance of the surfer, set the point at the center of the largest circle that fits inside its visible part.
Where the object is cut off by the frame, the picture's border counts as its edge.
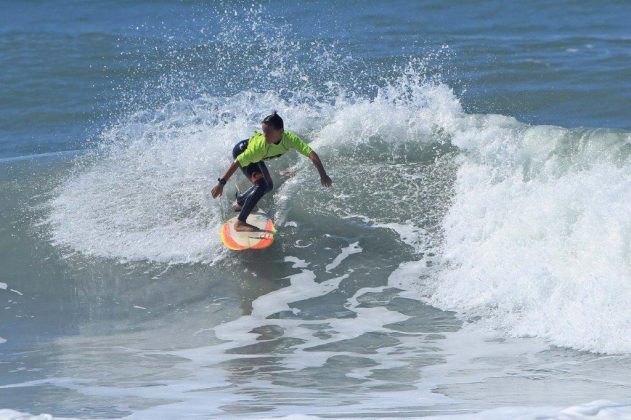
(249, 155)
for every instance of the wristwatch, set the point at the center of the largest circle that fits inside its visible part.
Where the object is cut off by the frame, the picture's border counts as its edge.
(221, 181)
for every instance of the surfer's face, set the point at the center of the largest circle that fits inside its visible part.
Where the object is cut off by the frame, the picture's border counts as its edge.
(271, 135)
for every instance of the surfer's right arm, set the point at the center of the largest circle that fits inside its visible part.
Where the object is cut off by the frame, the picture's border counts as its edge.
(218, 189)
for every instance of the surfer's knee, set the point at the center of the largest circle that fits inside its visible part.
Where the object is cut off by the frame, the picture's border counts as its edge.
(256, 177)
(262, 181)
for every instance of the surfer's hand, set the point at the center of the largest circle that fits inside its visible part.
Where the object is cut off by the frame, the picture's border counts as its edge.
(326, 181)
(217, 190)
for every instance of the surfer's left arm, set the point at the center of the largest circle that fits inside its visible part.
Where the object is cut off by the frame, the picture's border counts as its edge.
(324, 178)
(218, 189)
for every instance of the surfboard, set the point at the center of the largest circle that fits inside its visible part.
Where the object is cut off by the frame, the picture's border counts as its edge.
(239, 241)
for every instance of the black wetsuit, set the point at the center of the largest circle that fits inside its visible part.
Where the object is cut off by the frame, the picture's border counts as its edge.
(248, 199)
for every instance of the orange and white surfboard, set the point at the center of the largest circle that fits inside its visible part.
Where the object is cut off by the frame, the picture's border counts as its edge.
(239, 241)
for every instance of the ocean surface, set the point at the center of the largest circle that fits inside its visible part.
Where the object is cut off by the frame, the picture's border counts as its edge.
(472, 259)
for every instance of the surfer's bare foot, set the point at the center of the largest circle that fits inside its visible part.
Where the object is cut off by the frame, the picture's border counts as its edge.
(240, 226)
(236, 206)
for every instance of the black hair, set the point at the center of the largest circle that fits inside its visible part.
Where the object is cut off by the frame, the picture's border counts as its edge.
(274, 120)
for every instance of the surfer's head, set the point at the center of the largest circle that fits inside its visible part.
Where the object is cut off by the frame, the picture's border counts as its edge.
(273, 127)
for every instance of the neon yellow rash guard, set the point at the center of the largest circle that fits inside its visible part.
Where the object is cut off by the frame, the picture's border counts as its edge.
(259, 150)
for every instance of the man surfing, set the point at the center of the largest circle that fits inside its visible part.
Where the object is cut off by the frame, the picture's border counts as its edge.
(249, 155)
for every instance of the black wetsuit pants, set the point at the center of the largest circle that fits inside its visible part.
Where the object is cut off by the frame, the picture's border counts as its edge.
(248, 199)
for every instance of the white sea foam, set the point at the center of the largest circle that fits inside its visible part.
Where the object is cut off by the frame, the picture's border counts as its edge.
(7, 414)
(538, 234)
(600, 409)
(353, 248)
(538, 229)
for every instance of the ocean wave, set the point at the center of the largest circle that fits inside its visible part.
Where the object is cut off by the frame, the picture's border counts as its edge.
(524, 225)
